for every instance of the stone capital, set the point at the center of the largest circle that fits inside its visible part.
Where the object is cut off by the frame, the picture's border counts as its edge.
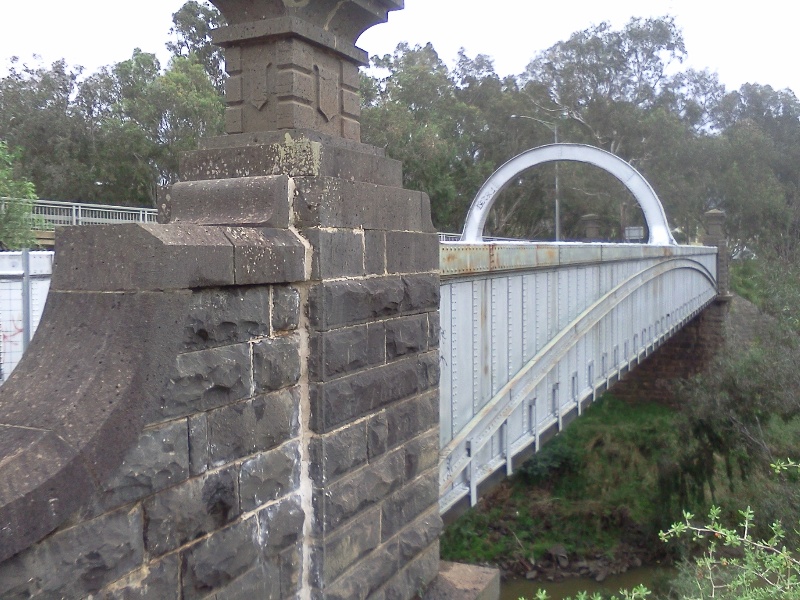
(293, 64)
(346, 19)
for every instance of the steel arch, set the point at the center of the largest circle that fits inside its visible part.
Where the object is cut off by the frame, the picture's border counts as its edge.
(638, 186)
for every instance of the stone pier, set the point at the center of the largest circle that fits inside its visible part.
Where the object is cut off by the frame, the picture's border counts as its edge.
(243, 402)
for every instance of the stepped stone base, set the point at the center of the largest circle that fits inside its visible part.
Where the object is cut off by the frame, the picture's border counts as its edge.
(464, 582)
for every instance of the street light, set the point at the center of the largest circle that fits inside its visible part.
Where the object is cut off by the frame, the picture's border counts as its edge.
(553, 127)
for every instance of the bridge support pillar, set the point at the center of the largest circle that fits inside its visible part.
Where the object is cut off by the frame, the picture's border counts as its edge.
(280, 438)
(591, 227)
(690, 350)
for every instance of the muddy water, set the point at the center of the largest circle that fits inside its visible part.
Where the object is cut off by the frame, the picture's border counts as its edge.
(521, 588)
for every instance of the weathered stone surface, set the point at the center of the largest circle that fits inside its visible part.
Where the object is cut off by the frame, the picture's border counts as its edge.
(190, 510)
(35, 464)
(280, 81)
(365, 577)
(266, 255)
(291, 561)
(167, 257)
(416, 576)
(416, 537)
(429, 369)
(412, 500)
(355, 493)
(342, 400)
(89, 379)
(337, 252)
(411, 252)
(349, 302)
(342, 351)
(346, 24)
(159, 580)
(276, 363)
(198, 444)
(269, 476)
(338, 552)
(78, 561)
(220, 559)
(261, 582)
(247, 201)
(422, 453)
(281, 525)
(293, 153)
(375, 252)
(340, 203)
(159, 459)
(219, 317)
(207, 379)
(421, 292)
(338, 453)
(376, 341)
(411, 417)
(252, 426)
(285, 308)
(342, 303)
(406, 335)
(434, 329)
(377, 434)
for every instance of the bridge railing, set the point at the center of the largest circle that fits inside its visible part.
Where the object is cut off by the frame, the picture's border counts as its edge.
(24, 284)
(530, 333)
(47, 214)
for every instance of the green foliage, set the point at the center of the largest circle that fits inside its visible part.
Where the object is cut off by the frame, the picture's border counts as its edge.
(734, 564)
(16, 196)
(772, 282)
(595, 488)
(638, 593)
(555, 459)
(191, 29)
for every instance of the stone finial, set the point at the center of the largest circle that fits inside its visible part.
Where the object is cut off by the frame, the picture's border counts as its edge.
(715, 220)
(293, 64)
(591, 226)
(715, 236)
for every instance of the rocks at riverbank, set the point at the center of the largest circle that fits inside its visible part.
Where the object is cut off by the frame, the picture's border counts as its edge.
(558, 565)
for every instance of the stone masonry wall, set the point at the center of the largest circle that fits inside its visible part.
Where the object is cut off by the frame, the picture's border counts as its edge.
(294, 451)
(687, 353)
(373, 374)
(691, 350)
(206, 502)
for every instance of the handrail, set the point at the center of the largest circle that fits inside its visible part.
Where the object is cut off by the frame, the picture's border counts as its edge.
(47, 214)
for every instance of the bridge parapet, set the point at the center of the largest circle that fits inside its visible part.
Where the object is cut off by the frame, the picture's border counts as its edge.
(531, 333)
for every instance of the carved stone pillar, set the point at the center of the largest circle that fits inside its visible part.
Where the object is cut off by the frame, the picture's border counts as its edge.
(591, 227)
(293, 64)
(715, 236)
(368, 411)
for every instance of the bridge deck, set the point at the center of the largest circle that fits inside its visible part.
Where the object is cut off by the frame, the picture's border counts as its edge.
(529, 332)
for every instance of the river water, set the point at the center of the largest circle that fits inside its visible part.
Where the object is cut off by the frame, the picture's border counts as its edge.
(520, 588)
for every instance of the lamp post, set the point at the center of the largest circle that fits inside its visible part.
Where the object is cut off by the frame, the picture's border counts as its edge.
(553, 127)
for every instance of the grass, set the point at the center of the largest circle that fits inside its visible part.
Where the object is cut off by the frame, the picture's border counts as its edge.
(591, 488)
(597, 489)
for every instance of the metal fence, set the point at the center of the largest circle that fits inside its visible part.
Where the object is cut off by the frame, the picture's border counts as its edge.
(47, 214)
(24, 284)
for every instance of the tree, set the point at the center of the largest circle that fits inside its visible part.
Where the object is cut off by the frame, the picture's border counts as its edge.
(191, 31)
(415, 115)
(37, 115)
(17, 195)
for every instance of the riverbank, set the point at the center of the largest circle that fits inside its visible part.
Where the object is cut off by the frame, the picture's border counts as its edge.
(586, 506)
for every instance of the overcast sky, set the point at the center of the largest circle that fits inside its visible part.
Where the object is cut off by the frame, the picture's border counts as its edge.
(758, 43)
